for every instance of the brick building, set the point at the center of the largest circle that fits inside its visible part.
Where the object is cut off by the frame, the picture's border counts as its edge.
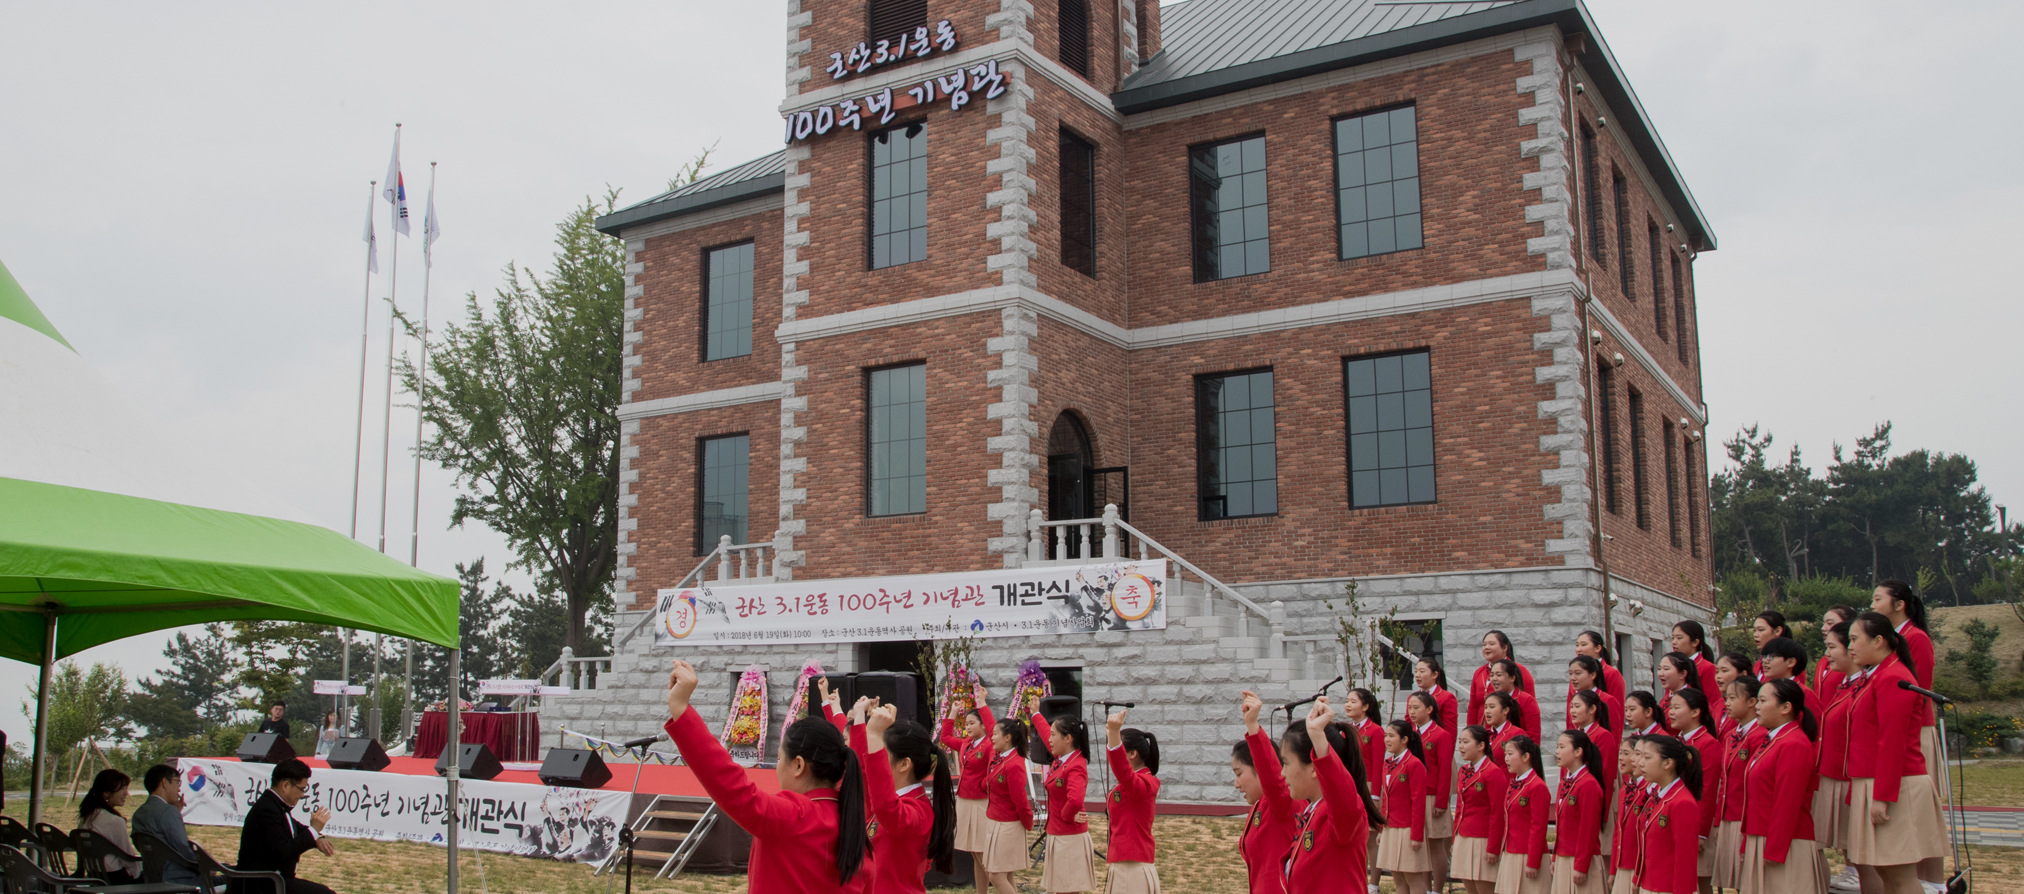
(1312, 290)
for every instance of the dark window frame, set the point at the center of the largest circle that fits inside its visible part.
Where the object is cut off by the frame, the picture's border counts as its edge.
(1626, 241)
(1592, 197)
(1605, 393)
(872, 198)
(1680, 312)
(1204, 446)
(1068, 139)
(1203, 262)
(1694, 474)
(1657, 252)
(1072, 54)
(1672, 480)
(751, 308)
(704, 544)
(869, 445)
(1348, 436)
(1335, 147)
(1639, 462)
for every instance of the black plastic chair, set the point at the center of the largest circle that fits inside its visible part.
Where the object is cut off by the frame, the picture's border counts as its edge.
(12, 832)
(55, 841)
(94, 853)
(156, 856)
(209, 869)
(24, 876)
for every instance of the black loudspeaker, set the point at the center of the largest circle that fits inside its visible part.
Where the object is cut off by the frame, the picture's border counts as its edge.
(473, 762)
(574, 767)
(265, 748)
(907, 690)
(841, 684)
(1055, 707)
(358, 754)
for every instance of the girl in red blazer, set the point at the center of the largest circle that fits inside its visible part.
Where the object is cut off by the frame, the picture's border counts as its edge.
(1439, 757)
(1779, 853)
(1523, 868)
(1324, 769)
(1585, 713)
(1362, 718)
(1270, 829)
(1825, 678)
(1480, 786)
(1895, 600)
(973, 756)
(1782, 659)
(1496, 647)
(1746, 735)
(1134, 756)
(1691, 639)
(1666, 851)
(916, 825)
(1579, 817)
(1641, 714)
(1625, 829)
(1676, 672)
(1584, 674)
(1769, 625)
(1888, 783)
(1589, 644)
(1728, 668)
(1505, 676)
(1402, 846)
(1008, 814)
(1070, 853)
(809, 837)
(1432, 679)
(1830, 796)
(1500, 717)
(1696, 723)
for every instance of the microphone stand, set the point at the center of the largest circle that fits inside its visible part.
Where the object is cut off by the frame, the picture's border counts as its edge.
(1956, 823)
(625, 830)
(1289, 706)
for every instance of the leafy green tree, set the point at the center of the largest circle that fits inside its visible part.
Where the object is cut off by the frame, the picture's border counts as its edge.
(534, 626)
(193, 692)
(485, 655)
(83, 705)
(1980, 659)
(523, 407)
(1767, 515)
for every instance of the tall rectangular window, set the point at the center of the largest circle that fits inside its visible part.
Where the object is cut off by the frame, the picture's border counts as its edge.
(1693, 502)
(1078, 204)
(899, 196)
(1672, 483)
(727, 308)
(1637, 460)
(1679, 309)
(1591, 195)
(1227, 189)
(1073, 19)
(1605, 397)
(1626, 277)
(1236, 445)
(1391, 429)
(896, 437)
(1658, 251)
(722, 488)
(890, 18)
(1377, 183)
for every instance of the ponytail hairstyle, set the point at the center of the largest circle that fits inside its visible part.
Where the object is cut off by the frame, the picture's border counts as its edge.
(1513, 714)
(1697, 702)
(1686, 760)
(1591, 665)
(1915, 608)
(1685, 666)
(1297, 741)
(1591, 756)
(1440, 673)
(1877, 625)
(1738, 662)
(1076, 731)
(1433, 708)
(1645, 698)
(831, 759)
(1600, 645)
(1776, 619)
(1530, 749)
(1840, 631)
(1786, 648)
(1146, 744)
(1699, 635)
(1505, 642)
(1510, 669)
(1412, 736)
(911, 741)
(1593, 700)
(1371, 710)
(1789, 692)
(1014, 729)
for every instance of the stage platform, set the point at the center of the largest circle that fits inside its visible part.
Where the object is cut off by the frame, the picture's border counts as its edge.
(655, 779)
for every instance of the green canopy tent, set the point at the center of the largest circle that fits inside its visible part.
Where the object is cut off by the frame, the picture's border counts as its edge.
(106, 532)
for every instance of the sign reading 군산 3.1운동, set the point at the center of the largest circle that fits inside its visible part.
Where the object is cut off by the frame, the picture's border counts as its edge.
(1125, 595)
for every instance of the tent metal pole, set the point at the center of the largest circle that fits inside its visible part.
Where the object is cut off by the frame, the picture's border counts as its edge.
(344, 670)
(35, 790)
(378, 649)
(453, 751)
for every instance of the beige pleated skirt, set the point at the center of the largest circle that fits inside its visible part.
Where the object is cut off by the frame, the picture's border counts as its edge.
(1803, 872)
(1704, 859)
(1728, 848)
(1929, 747)
(1004, 847)
(1830, 805)
(1131, 878)
(970, 824)
(1442, 826)
(1471, 860)
(1914, 832)
(1563, 877)
(1395, 852)
(1071, 864)
(1511, 876)
(1623, 883)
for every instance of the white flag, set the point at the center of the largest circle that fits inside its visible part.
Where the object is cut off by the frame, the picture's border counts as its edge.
(432, 229)
(372, 252)
(396, 191)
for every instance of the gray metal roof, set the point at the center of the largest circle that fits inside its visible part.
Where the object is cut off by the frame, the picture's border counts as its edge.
(758, 177)
(1200, 36)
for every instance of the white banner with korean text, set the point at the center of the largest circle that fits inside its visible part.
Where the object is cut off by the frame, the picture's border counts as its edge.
(576, 824)
(1126, 595)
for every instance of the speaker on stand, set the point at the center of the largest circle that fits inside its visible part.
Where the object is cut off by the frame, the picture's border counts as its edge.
(474, 761)
(358, 754)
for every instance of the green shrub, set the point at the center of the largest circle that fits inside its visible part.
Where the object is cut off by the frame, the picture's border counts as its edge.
(1982, 729)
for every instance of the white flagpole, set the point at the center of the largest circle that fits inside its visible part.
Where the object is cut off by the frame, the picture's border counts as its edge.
(386, 426)
(358, 437)
(421, 391)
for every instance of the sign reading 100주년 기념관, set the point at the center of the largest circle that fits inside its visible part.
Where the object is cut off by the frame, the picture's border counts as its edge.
(957, 87)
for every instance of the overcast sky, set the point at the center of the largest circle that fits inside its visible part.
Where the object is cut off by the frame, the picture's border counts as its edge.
(183, 187)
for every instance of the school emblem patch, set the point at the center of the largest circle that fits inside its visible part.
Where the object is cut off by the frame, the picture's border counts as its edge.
(1307, 840)
(1570, 799)
(1117, 796)
(1524, 800)
(1479, 786)
(1663, 820)
(1001, 777)
(1257, 818)
(871, 829)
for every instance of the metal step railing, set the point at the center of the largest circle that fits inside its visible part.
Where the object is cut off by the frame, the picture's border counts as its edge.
(1076, 539)
(737, 563)
(665, 809)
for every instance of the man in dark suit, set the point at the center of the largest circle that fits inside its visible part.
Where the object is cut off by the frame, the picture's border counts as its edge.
(274, 723)
(273, 839)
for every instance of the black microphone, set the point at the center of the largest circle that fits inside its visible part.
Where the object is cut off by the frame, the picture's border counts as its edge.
(1324, 686)
(1289, 706)
(1909, 687)
(645, 740)
(1120, 704)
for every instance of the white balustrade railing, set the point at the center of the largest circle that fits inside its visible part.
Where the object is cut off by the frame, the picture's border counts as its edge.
(1077, 539)
(736, 563)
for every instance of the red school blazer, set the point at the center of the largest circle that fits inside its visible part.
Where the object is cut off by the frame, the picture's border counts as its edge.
(900, 825)
(1274, 821)
(1611, 717)
(1737, 750)
(1479, 803)
(1444, 716)
(1706, 669)
(1883, 737)
(1711, 750)
(1332, 850)
(1670, 849)
(1066, 780)
(793, 835)
(1005, 792)
(1440, 763)
(1525, 805)
(1834, 729)
(1580, 819)
(1781, 784)
(1626, 828)
(972, 758)
(1921, 646)
(1131, 810)
(1612, 683)
(1479, 688)
(1405, 794)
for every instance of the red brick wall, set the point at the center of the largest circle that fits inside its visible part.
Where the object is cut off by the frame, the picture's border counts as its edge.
(1648, 555)
(838, 25)
(668, 452)
(1104, 295)
(671, 302)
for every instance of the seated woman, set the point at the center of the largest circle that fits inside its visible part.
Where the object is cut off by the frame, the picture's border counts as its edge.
(99, 814)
